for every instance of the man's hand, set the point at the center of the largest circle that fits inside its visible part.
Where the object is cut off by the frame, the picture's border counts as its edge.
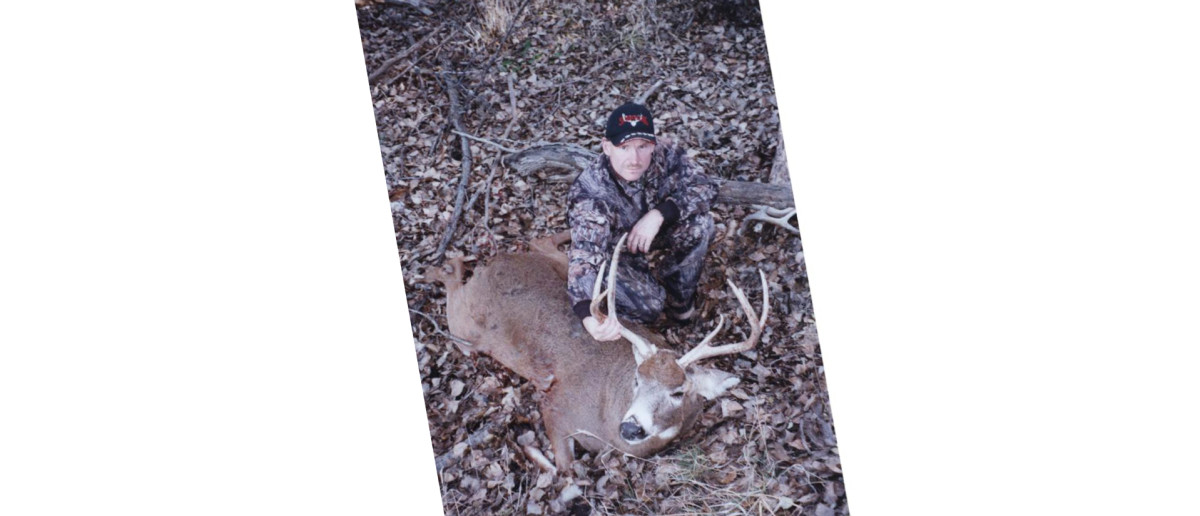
(608, 330)
(643, 233)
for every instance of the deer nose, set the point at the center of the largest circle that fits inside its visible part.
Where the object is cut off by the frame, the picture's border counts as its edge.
(631, 431)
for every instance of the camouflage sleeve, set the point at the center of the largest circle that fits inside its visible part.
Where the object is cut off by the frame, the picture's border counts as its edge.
(591, 234)
(691, 190)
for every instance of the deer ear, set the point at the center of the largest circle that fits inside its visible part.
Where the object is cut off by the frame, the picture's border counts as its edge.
(712, 383)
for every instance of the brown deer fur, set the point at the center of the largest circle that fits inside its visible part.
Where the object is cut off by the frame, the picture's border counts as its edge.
(516, 310)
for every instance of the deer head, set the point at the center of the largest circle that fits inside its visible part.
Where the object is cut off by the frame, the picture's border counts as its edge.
(668, 388)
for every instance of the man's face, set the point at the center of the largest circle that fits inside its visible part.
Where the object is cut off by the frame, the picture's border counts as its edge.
(630, 159)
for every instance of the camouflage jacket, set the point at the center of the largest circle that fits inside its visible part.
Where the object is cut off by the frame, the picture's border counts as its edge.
(602, 207)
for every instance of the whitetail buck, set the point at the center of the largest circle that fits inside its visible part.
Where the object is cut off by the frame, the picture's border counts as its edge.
(635, 398)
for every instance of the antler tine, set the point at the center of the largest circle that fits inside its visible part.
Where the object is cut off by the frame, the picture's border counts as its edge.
(776, 216)
(640, 345)
(708, 338)
(597, 295)
(757, 322)
(612, 276)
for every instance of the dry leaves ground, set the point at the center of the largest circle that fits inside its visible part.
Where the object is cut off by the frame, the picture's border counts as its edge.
(537, 71)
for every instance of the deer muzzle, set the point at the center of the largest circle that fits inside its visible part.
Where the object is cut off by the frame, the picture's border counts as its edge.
(632, 432)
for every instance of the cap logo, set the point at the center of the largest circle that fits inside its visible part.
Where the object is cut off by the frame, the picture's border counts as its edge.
(633, 120)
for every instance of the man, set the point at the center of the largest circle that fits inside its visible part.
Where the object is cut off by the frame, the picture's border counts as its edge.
(651, 190)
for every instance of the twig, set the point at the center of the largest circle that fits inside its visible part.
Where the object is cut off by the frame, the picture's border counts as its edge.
(460, 197)
(597, 66)
(436, 143)
(410, 66)
(487, 200)
(383, 68)
(438, 329)
(568, 82)
(487, 185)
(483, 140)
(641, 99)
(512, 99)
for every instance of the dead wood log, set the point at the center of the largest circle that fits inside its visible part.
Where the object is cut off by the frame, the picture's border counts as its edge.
(561, 156)
(571, 159)
(779, 167)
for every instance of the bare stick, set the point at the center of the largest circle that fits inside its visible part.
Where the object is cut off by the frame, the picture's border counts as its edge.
(438, 329)
(487, 185)
(485, 141)
(383, 68)
(641, 99)
(487, 204)
(460, 197)
(512, 99)
(414, 62)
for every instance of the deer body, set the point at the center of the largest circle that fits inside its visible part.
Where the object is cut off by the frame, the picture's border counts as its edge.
(601, 395)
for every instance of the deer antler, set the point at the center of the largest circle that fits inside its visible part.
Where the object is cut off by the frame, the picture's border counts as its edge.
(641, 347)
(776, 216)
(704, 350)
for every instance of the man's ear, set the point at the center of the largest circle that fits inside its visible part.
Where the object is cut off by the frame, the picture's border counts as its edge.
(712, 383)
(606, 146)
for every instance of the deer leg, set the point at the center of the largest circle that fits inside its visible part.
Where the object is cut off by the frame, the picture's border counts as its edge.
(458, 303)
(453, 279)
(560, 439)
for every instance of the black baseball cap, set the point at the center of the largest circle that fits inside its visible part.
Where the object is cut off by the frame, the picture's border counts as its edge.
(628, 122)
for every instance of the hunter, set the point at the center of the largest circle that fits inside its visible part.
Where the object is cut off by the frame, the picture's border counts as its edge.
(647, 187)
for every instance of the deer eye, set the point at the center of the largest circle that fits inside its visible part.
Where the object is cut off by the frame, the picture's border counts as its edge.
(677, 395)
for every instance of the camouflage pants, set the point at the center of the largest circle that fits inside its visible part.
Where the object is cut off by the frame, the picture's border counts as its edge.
(642, 294)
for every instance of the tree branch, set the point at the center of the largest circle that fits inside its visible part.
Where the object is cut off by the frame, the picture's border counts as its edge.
(387, 65)
(641, 99)
(456, 117)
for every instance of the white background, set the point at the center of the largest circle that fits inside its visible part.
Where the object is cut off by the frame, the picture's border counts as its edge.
(203, 310)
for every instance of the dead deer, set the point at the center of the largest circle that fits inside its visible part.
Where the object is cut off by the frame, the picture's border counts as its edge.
(634, 398)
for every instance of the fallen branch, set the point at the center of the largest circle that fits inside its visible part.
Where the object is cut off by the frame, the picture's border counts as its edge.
(399, 75)
(437, 328)
(387, 65)
(512, 99)
(573, 158)
(460, 196)
(641, 99)
(564, 156)
(485, 141)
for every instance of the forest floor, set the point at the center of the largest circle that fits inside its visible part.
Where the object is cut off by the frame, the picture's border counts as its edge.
(538, 71)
